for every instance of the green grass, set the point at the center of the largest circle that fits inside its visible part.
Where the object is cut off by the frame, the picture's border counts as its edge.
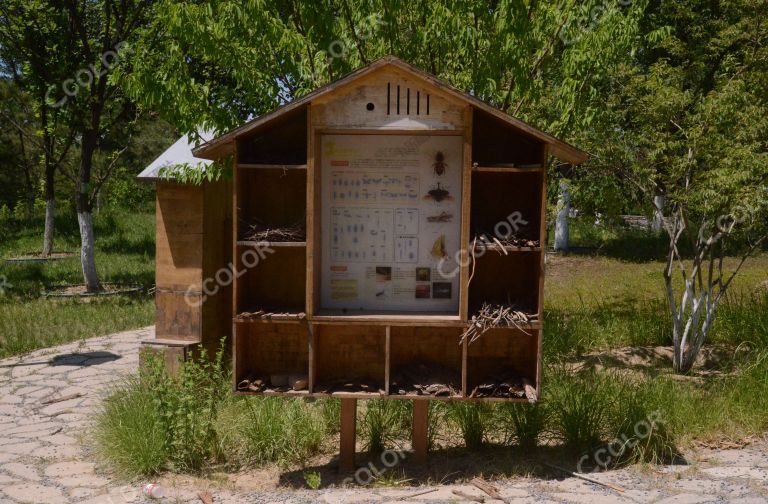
(125, 255)
(597, 303)
(472, 419)
(382, 422)
(129, 433)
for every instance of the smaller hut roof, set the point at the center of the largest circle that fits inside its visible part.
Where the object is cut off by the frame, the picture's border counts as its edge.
(177, 154)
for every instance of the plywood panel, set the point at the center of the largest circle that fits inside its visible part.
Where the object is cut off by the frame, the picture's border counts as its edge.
(511, 279)
(277, 281)
(180, 208)
(272, 196)
(497, 196)
(495, 142)
(388, 99)
(284, 142)
(266, 349)
(501, 352)
(350, 353)
(217, 256)
(178, 315)
(412, 345)
(179, 237)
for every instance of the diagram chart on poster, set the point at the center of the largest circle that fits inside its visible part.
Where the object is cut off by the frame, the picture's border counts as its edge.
(391, 222)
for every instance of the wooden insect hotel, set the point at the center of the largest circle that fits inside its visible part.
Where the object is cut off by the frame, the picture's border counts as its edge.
(381, 237)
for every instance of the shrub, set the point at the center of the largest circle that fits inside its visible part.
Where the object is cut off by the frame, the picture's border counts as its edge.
(188, 405)
(155, 421)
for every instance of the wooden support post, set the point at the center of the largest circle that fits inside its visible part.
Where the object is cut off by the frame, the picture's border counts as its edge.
(348, 421)
(419, 437)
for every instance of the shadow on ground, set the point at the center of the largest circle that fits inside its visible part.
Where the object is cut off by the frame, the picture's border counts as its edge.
(447, 466)
(84, 359)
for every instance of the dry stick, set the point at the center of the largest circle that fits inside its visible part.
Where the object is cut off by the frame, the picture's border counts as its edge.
(489, 489)
(472, 250)
(406, 497)
(292, 233)
(491, 317)
(586, 478)
(62, 398)
(502, 248)
(467, 496)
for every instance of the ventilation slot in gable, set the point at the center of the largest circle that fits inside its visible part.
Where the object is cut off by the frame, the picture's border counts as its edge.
(407, 97)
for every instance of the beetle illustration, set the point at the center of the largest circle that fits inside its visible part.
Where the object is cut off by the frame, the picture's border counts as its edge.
(439, 165)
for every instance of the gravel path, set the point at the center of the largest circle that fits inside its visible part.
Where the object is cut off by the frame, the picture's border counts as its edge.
(47, 399)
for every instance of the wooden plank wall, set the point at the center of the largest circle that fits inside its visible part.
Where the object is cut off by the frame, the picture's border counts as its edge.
(192, 244)
(179, 261)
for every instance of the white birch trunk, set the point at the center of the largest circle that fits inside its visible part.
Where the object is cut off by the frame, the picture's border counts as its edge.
(87, 251)
(561, 223)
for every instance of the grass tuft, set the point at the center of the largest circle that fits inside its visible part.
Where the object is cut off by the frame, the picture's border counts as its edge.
(383, 421)
(522, 424)
(260, 430)
(472, 419)
(581, 405)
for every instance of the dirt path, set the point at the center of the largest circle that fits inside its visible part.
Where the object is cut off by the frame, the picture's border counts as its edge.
(47, 399)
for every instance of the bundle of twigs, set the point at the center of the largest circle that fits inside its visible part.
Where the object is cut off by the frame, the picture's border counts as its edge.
(268, 315)
(260, 231)
(509, 386)
(501, 244)
(425, 379)
(495, 316)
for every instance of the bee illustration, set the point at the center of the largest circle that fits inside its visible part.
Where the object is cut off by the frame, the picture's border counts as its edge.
(439, 166)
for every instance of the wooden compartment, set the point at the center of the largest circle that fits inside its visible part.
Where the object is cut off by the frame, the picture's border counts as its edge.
(349, 353)
(284, 143)
(276, 283)
(498, 195)
(496, 143)
(503, 355)
(267, 350)
(272, 197)
(509, 280)
(428, 356)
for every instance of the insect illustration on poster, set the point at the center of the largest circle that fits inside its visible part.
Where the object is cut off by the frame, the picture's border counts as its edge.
(439, 166)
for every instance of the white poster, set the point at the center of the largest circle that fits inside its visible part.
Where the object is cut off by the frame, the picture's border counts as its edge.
(391, 222)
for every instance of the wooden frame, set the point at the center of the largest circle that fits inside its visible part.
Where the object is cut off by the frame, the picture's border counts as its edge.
(319, 327)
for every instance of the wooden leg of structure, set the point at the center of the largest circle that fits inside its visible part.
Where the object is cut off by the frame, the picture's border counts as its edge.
(419, 433)
(347, 452)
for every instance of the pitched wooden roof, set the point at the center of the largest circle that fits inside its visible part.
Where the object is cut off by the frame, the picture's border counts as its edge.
(222, 145)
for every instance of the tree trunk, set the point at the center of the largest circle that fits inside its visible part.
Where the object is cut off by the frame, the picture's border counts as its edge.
(84, 216)
(87, 251)
(50, 214)
(658, 212)
(50, 211)
(561, 223)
